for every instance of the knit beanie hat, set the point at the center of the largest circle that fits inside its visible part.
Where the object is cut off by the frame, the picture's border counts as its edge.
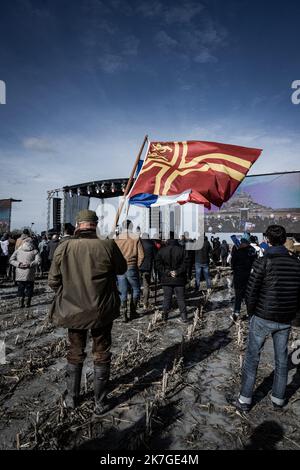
(86, 216)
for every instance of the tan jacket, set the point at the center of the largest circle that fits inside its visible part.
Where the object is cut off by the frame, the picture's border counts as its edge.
(131, 248)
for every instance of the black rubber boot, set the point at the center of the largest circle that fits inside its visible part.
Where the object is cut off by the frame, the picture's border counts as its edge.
(21, 302)
(165, 316)
(28, 303)
(101, 379)
(183, 317)
(73, 385)
(124, 311)
(133, 308)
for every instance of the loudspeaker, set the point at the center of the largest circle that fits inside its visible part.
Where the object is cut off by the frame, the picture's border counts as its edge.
(57, 214)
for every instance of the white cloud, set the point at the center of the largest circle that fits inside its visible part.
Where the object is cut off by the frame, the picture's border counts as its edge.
(112, 63)
(27, 7)
(170, 14)
(78, 159)
(150, 9)
(197, 40)
(114, 50)
(281, 150)
(164, 41)
(130, 46)
(109, 44)
(205, 57)
(38, 144)
(183, 13)
(122, 6)
(187, 31)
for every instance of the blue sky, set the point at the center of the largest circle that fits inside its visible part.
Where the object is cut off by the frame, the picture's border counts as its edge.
(87, 79)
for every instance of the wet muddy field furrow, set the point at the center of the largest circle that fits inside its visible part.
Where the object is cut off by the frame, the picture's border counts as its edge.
(173, 385)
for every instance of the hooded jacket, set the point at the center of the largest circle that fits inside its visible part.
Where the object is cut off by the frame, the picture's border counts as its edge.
(273, 291)
(83, 274)
(25, 255)
(242, 260)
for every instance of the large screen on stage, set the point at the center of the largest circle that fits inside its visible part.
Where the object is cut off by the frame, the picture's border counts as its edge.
(258, 202)
(5, 213)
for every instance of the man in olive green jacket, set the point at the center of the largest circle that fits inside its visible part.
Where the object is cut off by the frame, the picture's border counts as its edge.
(83, 275)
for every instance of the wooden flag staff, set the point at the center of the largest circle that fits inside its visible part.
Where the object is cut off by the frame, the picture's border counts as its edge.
(128, 186)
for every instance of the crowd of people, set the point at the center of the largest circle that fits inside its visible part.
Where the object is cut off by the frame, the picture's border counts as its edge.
(235, 223)
(24, 257)
(95, 280)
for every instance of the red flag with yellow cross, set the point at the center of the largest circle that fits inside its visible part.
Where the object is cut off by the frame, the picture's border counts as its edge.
(191, 171)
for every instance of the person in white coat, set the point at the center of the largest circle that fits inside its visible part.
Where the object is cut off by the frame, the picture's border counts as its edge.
(25, 259)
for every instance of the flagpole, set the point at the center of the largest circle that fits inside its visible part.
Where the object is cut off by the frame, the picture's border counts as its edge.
(131, 177)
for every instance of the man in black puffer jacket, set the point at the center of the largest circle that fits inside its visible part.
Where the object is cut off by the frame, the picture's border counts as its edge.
(172, 263)
(273, 301)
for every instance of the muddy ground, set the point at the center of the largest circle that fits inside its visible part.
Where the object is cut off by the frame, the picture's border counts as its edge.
(172, 385)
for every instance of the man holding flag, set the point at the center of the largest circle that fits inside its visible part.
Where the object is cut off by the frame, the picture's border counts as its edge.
(188, 172)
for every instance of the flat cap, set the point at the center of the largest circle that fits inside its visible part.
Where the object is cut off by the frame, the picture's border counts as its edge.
(86, 216)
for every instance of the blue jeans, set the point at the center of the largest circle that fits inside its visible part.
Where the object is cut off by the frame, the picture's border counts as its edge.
(198, 269)
(129, 279)
(258, 332)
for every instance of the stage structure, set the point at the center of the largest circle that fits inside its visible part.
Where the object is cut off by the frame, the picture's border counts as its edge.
(103, 196)
(77, 197)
